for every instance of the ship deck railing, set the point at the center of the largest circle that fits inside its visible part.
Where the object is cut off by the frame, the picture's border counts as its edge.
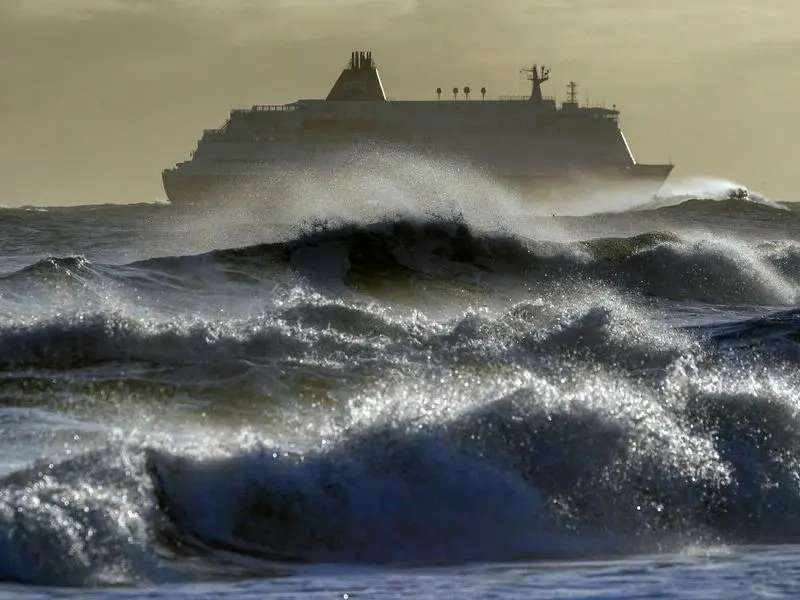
(273, 108)
(518, 97)
(259, 108)
(214, 133)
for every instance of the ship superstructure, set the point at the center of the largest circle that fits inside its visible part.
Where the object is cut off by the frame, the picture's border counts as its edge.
(524, 142)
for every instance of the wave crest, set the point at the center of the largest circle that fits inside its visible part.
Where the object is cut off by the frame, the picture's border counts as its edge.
(390, 255)
(539, 473)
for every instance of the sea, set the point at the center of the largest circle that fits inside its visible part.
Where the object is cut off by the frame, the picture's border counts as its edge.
(408, 385)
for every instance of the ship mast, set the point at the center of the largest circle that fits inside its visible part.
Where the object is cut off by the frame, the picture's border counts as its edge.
(572, 92)
(537, 81)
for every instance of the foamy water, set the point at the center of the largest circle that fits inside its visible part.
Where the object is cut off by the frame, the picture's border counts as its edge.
(427, 392)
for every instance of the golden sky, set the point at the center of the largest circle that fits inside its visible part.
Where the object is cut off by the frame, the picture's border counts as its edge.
(98, 96)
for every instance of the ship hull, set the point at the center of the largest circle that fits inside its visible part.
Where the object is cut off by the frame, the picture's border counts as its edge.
(204, 189)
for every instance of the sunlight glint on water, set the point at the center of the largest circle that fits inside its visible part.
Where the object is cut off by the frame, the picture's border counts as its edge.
(412, 400)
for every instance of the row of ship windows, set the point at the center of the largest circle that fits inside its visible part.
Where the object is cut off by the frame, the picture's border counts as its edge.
(384, 128)
(324, 150)
(325, 123)
(290, 139)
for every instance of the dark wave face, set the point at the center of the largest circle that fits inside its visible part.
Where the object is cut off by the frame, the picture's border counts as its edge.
(533, 474)
(694, 267)
(395, 391)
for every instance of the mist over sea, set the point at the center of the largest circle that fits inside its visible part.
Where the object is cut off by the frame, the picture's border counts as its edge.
(403, 383)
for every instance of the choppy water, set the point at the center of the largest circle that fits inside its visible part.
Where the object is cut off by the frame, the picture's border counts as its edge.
(401, 403)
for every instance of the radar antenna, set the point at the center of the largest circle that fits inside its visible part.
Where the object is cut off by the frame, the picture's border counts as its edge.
(537, 80)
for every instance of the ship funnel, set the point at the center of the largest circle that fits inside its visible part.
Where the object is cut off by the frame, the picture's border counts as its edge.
(359, 81)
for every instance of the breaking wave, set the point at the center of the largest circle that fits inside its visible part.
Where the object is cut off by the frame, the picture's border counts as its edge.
(446, 468)
(605, 466)
(361, 337)
(660, 264)
(247, 410)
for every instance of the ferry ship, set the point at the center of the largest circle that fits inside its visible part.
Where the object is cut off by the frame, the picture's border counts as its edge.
(525, 142)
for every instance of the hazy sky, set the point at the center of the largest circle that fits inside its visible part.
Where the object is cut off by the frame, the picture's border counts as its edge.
(98, 96)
